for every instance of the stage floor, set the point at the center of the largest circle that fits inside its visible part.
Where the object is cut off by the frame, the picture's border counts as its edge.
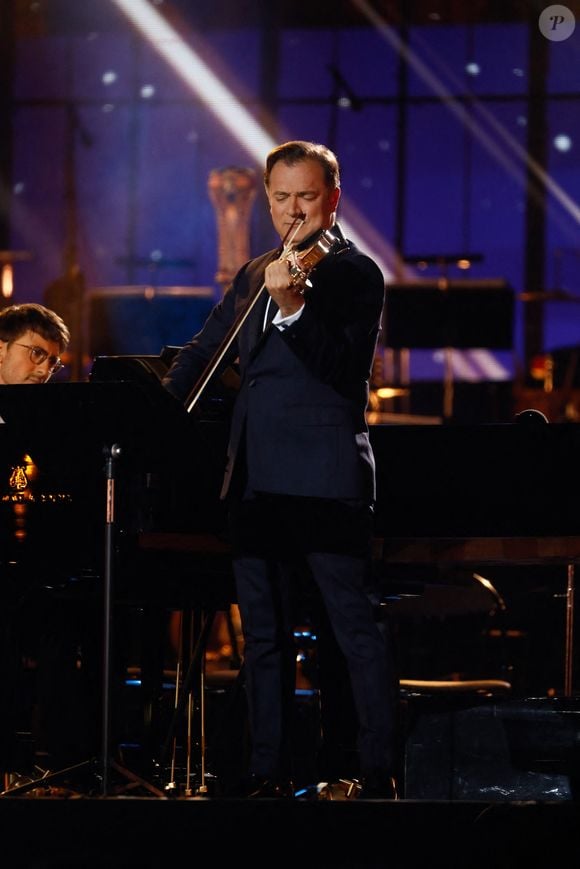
(122, 832)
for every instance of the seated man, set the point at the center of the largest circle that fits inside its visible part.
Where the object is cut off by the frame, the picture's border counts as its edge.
(34, 636)
(32, 338)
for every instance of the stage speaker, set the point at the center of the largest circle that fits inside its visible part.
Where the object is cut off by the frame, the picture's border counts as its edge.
(142, 319)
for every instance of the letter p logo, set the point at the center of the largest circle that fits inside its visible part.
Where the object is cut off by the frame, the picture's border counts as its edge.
(556, 23)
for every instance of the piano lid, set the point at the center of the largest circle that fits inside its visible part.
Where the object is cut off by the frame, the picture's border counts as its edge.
(477, 480)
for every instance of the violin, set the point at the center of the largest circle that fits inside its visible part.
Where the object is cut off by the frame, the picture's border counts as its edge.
(303, 264)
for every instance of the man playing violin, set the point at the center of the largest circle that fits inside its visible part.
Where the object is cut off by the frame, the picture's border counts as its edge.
(300, 474)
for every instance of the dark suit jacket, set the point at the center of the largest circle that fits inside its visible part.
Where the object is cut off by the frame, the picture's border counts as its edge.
(304, 391)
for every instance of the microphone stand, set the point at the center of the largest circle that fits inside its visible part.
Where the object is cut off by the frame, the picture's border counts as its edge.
(111, 455)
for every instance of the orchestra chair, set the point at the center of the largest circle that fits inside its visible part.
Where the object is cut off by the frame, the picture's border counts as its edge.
(440, 706)
(450, 680)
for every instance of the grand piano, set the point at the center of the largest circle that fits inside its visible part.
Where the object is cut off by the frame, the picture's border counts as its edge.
(161, 545)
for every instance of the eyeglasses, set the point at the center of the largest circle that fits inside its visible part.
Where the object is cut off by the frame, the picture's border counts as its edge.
(38, 355)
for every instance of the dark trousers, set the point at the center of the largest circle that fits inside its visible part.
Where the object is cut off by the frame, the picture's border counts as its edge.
(269, 535)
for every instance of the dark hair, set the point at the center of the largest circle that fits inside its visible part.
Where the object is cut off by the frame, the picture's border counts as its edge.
(18, 319)
(296, 151)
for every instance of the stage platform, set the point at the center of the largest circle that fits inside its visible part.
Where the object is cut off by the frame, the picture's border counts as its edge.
(126, 832)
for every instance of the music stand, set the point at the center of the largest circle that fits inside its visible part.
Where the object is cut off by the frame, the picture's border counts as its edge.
(449, 314)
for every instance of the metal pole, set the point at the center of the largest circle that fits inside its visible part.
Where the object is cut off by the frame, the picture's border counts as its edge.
(569, 645)
(112, 454)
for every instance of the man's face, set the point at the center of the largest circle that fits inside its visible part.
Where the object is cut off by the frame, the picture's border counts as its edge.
(301, 189)
(16, 364)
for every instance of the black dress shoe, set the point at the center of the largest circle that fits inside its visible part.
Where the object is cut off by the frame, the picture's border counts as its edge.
(373, 789)
(260, 787)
